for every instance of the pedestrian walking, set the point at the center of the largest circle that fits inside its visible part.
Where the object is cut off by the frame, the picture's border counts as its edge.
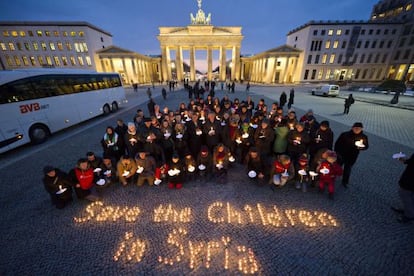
(149, 93)
(164, 93)
(348, 102)
(282, 99)
(291, 98)
(348, 146)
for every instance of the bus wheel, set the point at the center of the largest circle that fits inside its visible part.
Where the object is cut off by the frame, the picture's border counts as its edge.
(106, 109)
(114, 107)
(38, 134)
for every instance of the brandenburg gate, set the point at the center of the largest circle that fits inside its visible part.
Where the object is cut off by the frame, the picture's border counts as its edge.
(200, 35)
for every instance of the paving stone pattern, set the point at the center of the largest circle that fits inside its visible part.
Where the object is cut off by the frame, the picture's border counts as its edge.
(37, 239)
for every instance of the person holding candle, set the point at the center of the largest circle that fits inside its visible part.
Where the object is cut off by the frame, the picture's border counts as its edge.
(282, 171)
(204, 162)
(190, 167)
(347, 146)
(127, 169)
(255, 166)
(221, 162)
(212, 129)
(298, 141)
(322, 138)
(263, 139)
(328, 171)
(175, 172)
(58, 185)
(145, 168)
(84, 178)
(302, 176)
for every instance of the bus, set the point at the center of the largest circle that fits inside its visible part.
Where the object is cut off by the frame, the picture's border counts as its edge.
(34, 104)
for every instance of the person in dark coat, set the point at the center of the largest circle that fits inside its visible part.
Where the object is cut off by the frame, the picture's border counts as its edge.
(322, 138)
(282, 99)
(151, 107)
(58, 185)
(212, 130)
(348, 146)
(291, 98)
(348, 102)
(406, 191)
(195, 134)
(254, 163)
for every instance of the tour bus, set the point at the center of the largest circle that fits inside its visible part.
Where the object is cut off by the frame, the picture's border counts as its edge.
(36, 103)
(326, 90)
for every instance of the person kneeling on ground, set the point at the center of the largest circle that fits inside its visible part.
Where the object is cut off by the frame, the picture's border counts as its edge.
(282, 171)
(84, 179)
(58, 185)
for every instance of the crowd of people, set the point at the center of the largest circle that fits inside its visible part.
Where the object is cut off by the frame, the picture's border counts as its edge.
(205, 138)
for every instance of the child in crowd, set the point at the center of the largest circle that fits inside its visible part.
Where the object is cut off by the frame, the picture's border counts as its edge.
(328, 171)
(175, 173)
(282, 171)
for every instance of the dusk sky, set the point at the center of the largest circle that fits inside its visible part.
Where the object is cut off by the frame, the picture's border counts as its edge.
(134, 23)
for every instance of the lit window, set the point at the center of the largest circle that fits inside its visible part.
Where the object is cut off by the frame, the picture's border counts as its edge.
(65, 61)
(68, 46)
(25, 61)
(327, 44)
(48, 60)
(43, 45)
(33, 61)
(77, 49)
(80, 61)
(47, 33)
(39, 33)
(324, 58)
(328, 74)
(88, 61)
(408, 7)
(6, 33)
(338, 32)
(320, 74)
(335, 45)
(60, 45)
(330, 32)
(41, 60)
(3, 46)
(35, 46)
(57, 61)
(30, 33)
(52, 46)
(11, 46)
(56, 33)
(72, 60)
(332, 59)
(85, 46)
(81, 34)
(9, 61)
(17, 61)
(65, 33)
(72, 33)
(27, 46)
(14, 33)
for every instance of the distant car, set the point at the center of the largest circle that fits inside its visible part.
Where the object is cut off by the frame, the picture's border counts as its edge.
(327, 90)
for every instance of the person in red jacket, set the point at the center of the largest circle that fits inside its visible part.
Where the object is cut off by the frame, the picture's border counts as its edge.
(84, 179)
(328, 171)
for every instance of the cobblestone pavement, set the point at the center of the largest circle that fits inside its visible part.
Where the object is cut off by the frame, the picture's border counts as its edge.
(209, 228)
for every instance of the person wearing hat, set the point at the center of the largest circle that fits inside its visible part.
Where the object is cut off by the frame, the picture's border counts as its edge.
(58, 185)
(347, 146)
(131, 140)
(204, 162)
(328, 170)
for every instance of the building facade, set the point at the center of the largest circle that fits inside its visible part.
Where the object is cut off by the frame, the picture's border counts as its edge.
(366, 51)
(50, 44)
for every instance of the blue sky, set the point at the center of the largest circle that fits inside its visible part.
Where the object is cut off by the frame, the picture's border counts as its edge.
(134, 23)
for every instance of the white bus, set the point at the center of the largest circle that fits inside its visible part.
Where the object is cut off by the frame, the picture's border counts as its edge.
(36, 103)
